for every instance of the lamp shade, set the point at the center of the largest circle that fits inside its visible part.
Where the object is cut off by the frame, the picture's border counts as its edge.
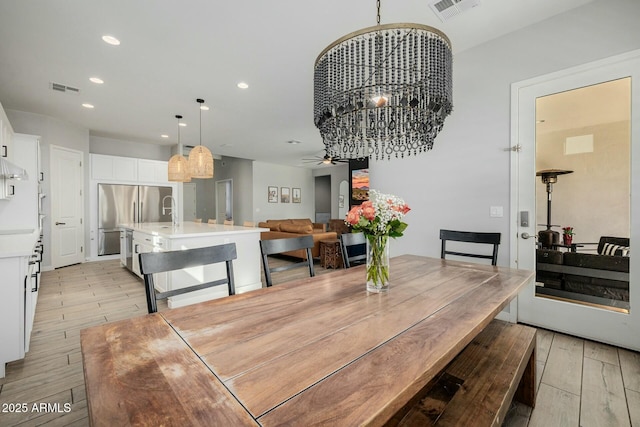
(179, 169)
(201, 162)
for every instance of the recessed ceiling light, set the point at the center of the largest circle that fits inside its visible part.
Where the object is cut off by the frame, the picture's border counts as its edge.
(86, 105)
(111, 40)
(243, 85)
(164, 136)
(182, 124)
(96, 80)
(204, 108)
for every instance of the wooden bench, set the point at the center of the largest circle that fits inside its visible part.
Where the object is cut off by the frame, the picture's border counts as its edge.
(477, 387)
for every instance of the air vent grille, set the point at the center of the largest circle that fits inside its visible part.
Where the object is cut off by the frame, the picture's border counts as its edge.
(447, 9)
(64, 88)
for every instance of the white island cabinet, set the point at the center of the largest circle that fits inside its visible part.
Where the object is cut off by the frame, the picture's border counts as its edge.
(160, 237)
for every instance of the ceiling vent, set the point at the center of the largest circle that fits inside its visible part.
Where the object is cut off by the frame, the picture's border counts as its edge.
(447, 9)
(64, 88)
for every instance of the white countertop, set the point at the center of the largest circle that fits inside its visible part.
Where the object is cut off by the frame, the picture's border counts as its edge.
(188, 229)
(15, 243)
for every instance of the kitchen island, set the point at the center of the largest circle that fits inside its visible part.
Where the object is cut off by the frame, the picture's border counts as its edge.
(164, 236)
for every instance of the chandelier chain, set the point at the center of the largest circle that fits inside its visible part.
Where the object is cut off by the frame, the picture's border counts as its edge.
(378, 7)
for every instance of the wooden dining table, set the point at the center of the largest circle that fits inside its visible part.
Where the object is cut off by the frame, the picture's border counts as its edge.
(315, 351)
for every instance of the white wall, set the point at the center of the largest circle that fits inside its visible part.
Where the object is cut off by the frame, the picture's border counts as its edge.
(53, 132)
(467, 172)
(594, 199)
(139, 150)
(241, 173)
(268, 174)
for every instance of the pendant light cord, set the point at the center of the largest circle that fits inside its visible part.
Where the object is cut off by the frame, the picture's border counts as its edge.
(179, 117)
(200, 101)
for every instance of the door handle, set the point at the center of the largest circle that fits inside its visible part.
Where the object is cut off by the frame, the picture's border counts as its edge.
(526, 235)
(61, 223)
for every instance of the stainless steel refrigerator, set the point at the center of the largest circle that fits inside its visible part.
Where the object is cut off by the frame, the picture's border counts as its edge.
(120, 204)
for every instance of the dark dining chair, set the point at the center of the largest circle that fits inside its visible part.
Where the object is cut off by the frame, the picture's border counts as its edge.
(278, 246)
(161, 262)
(492, 239)
(354, 249)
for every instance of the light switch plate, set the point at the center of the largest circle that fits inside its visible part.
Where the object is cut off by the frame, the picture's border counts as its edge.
(496, 212)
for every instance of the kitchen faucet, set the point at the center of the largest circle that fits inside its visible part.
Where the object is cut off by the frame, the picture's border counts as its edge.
(171, 208)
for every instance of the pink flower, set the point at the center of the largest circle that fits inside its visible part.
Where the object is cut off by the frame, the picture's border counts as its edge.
(368, 211)
(353, 216)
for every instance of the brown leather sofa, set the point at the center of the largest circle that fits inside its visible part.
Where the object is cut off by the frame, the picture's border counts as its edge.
(287, 228)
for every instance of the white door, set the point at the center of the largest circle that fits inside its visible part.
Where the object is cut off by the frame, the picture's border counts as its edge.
(591, 322)
(189, 201)
(67, 202)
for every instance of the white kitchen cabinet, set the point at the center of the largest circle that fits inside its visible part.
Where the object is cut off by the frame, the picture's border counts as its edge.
(20, 259)
(7, 186)
(128, 169)
(144, 243)
(6, 136)
(114, 168)
(23, 210)
(152, 171)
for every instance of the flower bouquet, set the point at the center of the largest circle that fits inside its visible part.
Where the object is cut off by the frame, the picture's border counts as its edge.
(378, 218)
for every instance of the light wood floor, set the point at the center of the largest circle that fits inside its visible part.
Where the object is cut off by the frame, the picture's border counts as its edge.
(581, 383)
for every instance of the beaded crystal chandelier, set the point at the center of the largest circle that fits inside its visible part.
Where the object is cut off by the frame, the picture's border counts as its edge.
(383, 90)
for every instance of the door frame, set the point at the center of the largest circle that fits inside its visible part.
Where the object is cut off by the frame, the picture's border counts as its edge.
(588, 322)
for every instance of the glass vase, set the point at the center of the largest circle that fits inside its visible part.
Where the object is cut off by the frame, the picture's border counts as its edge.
(377, 263)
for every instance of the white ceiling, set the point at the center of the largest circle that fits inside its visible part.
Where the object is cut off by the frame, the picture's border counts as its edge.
(173, 52)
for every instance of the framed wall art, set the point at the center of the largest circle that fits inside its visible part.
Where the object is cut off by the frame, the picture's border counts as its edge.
(272, 195)
(284, 195)
(359, 184)
(296, 196)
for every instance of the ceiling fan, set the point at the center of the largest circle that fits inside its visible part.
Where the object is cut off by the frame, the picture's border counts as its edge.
(326, 159)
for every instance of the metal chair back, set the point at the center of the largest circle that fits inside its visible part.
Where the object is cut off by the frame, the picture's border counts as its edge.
(470, 237)
(354, 249)
(161, 262)
(278, 246)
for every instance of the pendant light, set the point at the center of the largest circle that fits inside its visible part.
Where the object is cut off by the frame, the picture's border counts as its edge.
(178, 165)
(200, 158)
